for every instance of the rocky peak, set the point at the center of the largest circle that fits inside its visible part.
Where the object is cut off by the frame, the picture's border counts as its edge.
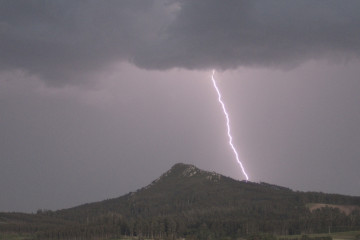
(188, 170)
(182, 170)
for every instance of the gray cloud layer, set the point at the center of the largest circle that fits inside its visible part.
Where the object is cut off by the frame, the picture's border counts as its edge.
(63, 40)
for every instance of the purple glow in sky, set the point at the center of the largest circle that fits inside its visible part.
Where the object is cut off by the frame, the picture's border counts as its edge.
(100, 98)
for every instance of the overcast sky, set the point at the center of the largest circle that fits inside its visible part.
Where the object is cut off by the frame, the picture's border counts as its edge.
(100, 98)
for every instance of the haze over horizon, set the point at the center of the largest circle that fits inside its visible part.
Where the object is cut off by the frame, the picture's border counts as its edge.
(99, 99)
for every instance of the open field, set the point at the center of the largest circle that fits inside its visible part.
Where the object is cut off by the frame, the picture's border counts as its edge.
(347, 209)
(345, 235)
(335, 236)
(14, 236)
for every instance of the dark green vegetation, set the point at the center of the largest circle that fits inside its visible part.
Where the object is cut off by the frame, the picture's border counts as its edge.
(194, 204)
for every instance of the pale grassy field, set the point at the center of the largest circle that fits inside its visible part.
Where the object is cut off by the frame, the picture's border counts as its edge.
(14, 236)
(336, 236)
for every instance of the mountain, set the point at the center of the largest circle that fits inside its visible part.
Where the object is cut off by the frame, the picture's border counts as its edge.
(189, 202)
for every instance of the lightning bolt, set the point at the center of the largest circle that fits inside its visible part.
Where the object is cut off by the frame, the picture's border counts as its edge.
(228, 126)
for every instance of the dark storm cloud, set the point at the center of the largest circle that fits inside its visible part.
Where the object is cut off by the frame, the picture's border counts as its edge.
(58, 40)
(227, 35)
(61, 41)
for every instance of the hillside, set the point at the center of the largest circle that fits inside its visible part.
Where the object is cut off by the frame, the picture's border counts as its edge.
(189, 202)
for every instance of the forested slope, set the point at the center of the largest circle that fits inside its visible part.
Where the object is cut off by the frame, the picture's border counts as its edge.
(189, 202)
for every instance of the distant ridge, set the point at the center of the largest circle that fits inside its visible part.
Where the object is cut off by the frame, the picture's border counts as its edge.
(189, 202)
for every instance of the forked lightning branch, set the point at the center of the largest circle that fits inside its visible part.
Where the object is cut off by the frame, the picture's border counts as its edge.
(228, 126)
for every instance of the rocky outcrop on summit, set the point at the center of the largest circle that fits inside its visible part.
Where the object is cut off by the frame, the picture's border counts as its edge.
(181, 170)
